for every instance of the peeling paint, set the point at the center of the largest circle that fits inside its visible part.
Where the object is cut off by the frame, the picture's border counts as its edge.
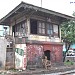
(56, 54)
(20, 56)
(34, 54)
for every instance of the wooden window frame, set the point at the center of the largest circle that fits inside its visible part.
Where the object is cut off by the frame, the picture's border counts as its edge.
(42, 28)
(20, 26)
(51, 29)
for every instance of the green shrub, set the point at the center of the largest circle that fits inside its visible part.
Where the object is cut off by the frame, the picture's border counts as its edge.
(68, 62)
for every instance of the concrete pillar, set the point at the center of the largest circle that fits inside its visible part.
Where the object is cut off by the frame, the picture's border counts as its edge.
(28, 25)
(3, 45)
(60, 32)
(10, 30)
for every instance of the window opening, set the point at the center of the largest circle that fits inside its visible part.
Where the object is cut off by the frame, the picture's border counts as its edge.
(41, 28)
(19, 29)
(33, 26)
(49, 29)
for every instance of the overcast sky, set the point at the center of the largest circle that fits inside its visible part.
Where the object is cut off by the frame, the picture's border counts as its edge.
(62, 6)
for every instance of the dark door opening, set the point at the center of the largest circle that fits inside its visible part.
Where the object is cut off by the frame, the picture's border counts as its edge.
(13, 30)
(47, 53)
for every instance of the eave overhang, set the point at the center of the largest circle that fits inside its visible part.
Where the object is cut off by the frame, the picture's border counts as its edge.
(23, 6)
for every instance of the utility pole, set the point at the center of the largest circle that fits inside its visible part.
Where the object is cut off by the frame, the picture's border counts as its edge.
(41, 3)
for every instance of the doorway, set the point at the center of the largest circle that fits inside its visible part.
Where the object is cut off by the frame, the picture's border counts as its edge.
(47, 53)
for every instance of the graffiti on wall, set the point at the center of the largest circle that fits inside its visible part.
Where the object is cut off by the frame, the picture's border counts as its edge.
(20, 56)
(19, 52)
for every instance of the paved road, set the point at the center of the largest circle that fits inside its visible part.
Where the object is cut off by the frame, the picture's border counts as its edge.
(62, 70)
(56, 74)
(63, 74)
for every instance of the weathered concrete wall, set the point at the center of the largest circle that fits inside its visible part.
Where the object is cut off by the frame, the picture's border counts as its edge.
(20, 56)
(43, 38)
(3, 45)
(36, 51)
(56, 52)
(34, 55)
(9, 59)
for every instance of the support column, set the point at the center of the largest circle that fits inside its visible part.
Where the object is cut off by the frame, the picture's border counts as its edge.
(60, 32)
(10, 30)
(28, 25)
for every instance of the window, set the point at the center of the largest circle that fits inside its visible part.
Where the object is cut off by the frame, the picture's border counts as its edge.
(19, 29)
(49, 29)
(33, 26)
(41, 28)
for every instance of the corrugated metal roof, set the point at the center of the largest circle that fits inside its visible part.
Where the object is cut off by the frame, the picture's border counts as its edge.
(36, 8)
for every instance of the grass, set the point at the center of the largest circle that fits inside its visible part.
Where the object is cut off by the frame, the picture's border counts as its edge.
(68, 62)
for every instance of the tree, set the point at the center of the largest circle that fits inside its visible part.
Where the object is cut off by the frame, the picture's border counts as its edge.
(68, 34)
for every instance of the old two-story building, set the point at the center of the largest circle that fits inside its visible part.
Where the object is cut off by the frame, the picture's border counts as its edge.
(36, 32)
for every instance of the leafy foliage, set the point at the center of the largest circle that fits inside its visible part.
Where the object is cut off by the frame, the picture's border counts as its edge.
(68, 31)
(68, 63)
(68, 34)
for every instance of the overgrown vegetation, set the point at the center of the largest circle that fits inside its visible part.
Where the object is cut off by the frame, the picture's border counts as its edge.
(68, 34)
(68, 63)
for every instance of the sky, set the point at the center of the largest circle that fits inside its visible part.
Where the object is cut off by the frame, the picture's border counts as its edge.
(63, 6)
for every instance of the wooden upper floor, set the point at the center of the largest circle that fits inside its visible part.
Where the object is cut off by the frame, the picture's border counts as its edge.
(34, 22)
